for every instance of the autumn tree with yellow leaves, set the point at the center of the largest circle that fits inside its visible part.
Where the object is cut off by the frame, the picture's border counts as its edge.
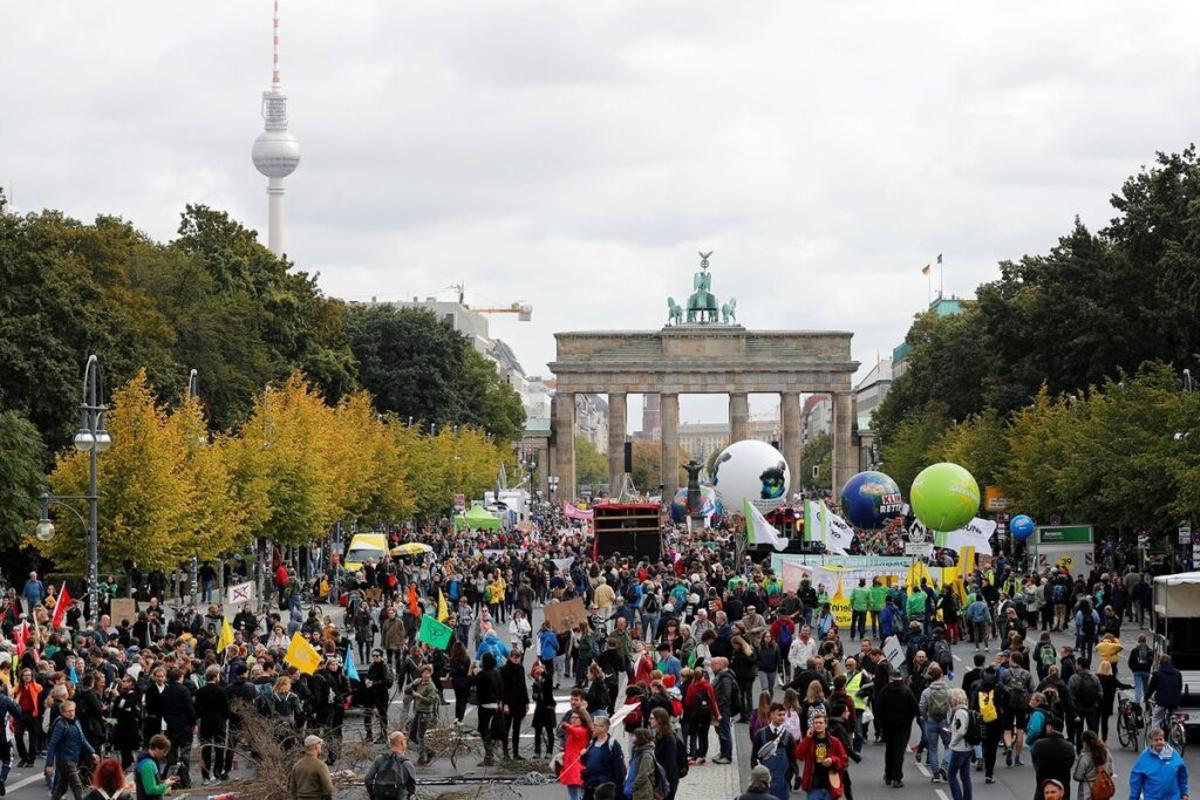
(170, 491)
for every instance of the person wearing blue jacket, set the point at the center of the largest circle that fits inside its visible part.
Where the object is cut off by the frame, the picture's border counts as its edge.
(547, 645)
(1159, 773)
(66, 748)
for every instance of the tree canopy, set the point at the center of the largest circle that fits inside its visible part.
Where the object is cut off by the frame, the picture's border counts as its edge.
(1061, 381)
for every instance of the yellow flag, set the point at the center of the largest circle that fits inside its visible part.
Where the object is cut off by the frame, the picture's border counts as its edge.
(966, 560)
(302, 655)
(443, 612)
(226, 637)
(840, 606)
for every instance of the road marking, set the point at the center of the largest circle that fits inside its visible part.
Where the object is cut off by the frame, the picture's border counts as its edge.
(21, 784)
(941, 793)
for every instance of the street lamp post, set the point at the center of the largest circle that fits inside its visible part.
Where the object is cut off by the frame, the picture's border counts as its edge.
(193, 390)
(92, 439)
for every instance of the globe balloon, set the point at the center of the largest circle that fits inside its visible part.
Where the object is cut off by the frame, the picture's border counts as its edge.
(944, 497)
(869, 498)
(1022, 527)
(751, 470)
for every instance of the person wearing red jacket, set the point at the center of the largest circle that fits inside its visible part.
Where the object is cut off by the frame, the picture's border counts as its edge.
(824, 760)
(700, 711)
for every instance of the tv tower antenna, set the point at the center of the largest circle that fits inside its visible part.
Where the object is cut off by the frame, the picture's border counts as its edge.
(276, 152)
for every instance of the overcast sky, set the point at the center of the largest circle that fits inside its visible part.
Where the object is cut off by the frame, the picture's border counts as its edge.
(577, 155)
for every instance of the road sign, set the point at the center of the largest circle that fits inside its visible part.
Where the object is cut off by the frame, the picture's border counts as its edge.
(1185, 532)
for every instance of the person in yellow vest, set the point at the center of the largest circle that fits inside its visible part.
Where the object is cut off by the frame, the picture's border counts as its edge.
(856, 681)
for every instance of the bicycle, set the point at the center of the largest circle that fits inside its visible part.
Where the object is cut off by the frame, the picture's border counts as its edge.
(1177, 731)
(1131, 721)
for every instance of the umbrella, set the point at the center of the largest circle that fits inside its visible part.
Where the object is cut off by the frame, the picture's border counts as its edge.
(411, 549)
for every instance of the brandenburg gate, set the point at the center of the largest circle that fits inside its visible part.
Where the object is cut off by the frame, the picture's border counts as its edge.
(702, 350)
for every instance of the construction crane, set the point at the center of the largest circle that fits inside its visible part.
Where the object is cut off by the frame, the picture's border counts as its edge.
(524, 311)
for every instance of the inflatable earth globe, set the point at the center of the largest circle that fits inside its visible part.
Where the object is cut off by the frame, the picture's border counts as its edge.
(944, 497)
(870, 498)
(710, 505)
(751, 470)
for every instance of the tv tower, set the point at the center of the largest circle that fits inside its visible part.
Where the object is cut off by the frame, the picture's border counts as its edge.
(276, 152)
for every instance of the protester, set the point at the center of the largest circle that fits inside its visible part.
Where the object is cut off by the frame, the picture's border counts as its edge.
(309, 778)
(1159, 772)
(391, 775)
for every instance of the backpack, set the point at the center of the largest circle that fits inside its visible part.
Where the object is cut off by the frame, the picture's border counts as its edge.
(1089, 691)
(987, 706)
(681, 759)
(1103, 787)
(785, 637)
(662, 786)
(703, 703)
(1089, 624)
(941, 652)
(1059, 593)
(1048, 656)
(650, 604)
(938, 707)
(974, 733)
(393, 781)
(1018, 692)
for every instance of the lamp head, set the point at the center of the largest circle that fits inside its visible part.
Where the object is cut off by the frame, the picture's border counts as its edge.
(84, 440)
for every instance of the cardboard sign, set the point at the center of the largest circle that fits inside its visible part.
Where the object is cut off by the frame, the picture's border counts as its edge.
(893, 651)
(122, 608)
(241, 593)
(566, 615)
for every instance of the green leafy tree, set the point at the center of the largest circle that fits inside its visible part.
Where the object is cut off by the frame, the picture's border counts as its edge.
(591, 466)
(817, 453)
(913, 446)
(647, 467)
(409, 360)
(22, 480)
(978, 445)
(487, 401)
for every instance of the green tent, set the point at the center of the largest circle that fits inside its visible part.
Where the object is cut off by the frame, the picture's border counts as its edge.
(477, 518)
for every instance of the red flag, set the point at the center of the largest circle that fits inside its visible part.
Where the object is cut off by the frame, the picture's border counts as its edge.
(21, 632)
(413, 605)
(60, 607)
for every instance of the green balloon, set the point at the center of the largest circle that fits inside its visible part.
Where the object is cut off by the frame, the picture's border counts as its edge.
(944, 497)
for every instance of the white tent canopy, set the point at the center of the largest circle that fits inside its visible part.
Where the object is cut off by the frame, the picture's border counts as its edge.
(1179, 579)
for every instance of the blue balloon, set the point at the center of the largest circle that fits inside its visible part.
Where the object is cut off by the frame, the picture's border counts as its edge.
(1022, 527)
(870, 498)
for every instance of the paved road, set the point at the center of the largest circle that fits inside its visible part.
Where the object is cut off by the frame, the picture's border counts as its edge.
(722, 782)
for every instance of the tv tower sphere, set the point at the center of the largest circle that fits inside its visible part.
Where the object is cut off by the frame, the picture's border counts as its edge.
(276, 152)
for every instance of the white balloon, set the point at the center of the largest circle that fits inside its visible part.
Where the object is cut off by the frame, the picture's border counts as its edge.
(751, 470)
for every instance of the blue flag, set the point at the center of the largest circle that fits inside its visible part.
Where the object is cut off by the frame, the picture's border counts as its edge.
(351, 670)
(72, 675)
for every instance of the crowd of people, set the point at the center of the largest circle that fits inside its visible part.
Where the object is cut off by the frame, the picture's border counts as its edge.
(671, 654)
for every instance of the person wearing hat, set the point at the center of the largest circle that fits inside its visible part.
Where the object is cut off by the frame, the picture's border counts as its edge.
(759, 786)
(309, 778)
(896, 708)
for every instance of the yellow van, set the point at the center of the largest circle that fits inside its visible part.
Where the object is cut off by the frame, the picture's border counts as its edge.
(363, 546)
